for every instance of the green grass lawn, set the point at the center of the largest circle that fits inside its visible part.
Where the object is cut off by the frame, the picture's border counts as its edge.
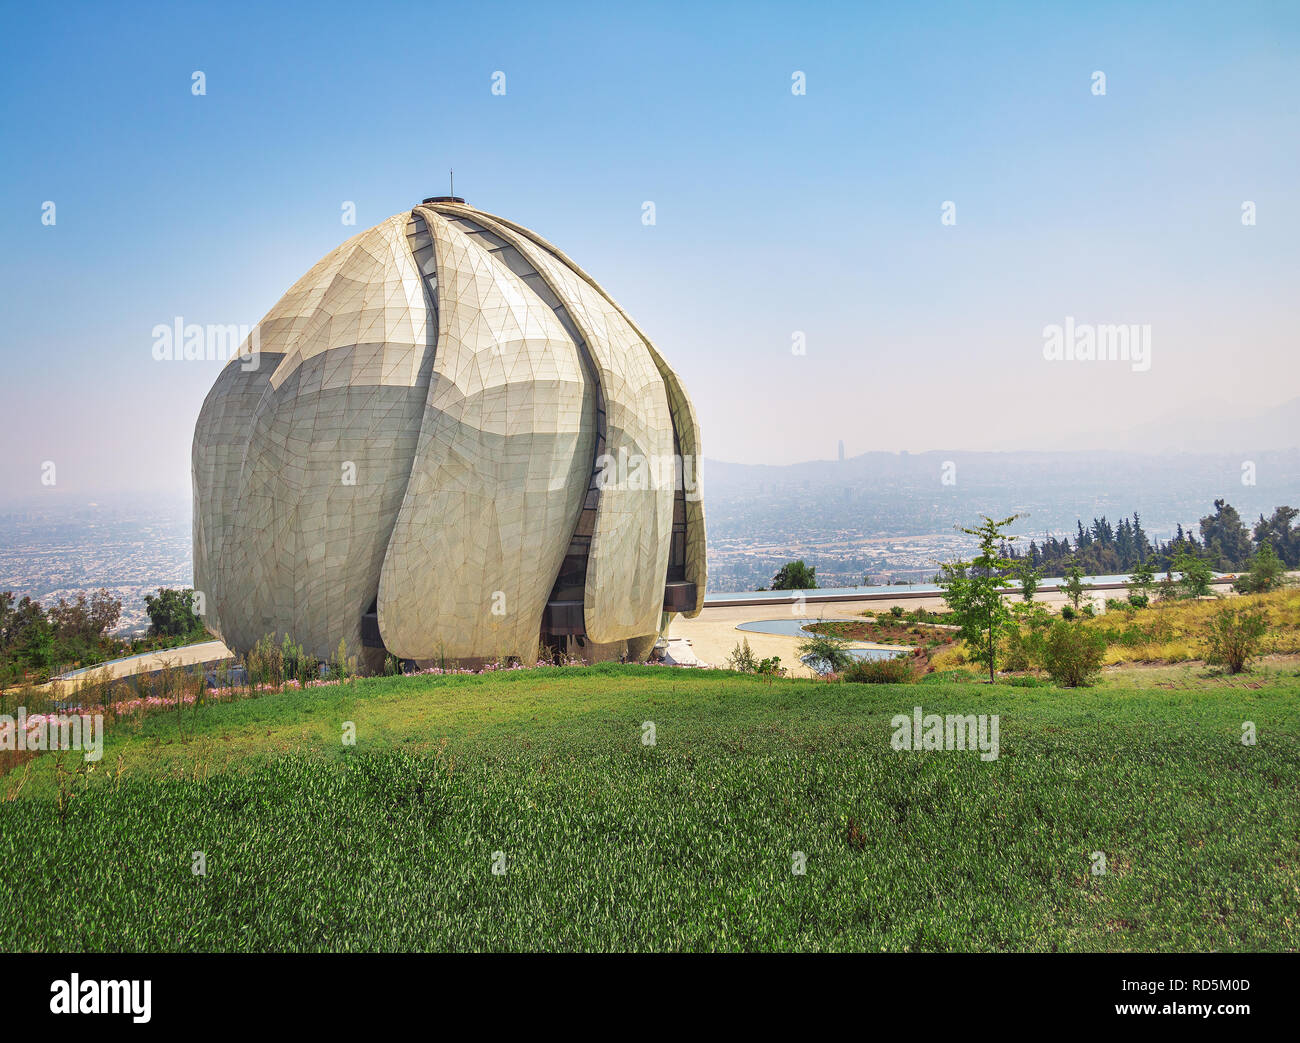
(686, 844)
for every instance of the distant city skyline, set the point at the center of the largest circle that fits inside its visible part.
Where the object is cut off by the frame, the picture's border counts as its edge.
(855, 224)
(888, 516)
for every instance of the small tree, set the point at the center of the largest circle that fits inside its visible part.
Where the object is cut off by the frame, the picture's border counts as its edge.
(86, 620)
(826, 654)
(1142, 581)
(1029, 577)
(171, 613)
(341, 665)
(1234, 638)
(1265, 572)
(742, 659)
(1194, 575)
(973, 592)
(1074, 587)
(795, 575)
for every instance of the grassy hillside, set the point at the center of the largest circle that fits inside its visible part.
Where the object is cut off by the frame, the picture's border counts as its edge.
(687, 844)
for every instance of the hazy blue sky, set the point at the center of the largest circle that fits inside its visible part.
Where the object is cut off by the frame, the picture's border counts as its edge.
(775, 212)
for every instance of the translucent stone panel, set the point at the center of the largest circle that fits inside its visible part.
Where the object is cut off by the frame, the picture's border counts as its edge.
(326, 453)
(629, 549)
(505, 450)
(685, 421)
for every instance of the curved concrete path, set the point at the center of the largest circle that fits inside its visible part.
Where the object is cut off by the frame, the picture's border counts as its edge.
(142, 663)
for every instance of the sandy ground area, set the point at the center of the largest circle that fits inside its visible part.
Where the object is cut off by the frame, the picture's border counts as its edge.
(713, 632)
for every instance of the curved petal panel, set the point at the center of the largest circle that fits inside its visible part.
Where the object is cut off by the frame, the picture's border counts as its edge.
(685, 422)
(504, 453)
(629, 548)
(329, 450)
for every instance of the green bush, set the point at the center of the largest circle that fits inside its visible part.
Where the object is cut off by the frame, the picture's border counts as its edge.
(1234, 638)
(1267, 572)
(1017, 656)
(826, 654)
(171, 614)
(1026, 681)
(1024, 637)
(742, 658)
(342, 665)
(894, 670)
(1072, 654)
(795, 575)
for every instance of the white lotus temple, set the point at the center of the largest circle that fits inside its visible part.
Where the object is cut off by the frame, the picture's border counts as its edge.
(445, 442)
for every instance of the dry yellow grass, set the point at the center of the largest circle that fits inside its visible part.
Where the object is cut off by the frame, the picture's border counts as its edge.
(949, 658)
(1175, 631)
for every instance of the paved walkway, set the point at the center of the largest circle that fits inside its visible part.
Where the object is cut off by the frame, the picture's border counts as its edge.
(203, 652)
(713, 632)
(185, 655)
